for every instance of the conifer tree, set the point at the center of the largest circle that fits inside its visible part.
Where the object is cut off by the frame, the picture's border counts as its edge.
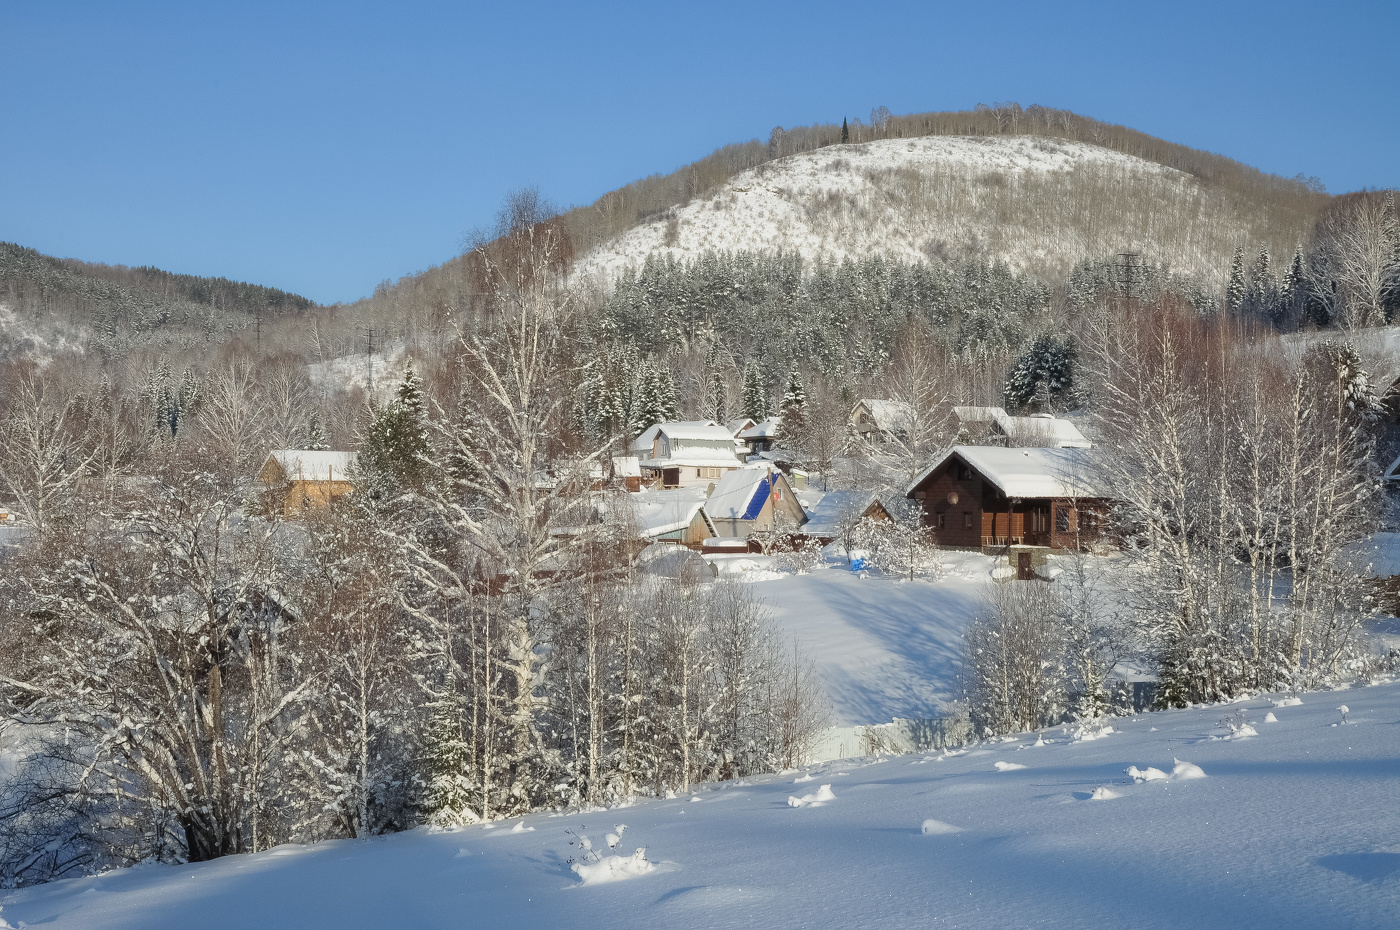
(315, 433)
(447, 801)
(396, 452)
(755, 398)
(1294, 290)
(793, 410)
(845, 132)
(1235, 290)
(1045, 373)
(666, 405)
(649, 407)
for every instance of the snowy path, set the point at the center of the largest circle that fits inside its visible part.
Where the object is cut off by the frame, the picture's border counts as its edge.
(1298, 826)
(884, 647)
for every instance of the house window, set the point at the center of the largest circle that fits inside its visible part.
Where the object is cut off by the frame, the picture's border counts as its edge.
(967, 521)
(964, 472)
(942, 521)
(1062, 519)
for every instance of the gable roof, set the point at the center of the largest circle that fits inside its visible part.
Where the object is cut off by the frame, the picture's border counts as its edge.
(659, 512)
(835, 507)
(1026, 473)
(305, 465)
(736, 427)
(889, 414)
(765, 430)
(1045, 428)
(979, 414)
(682, 429)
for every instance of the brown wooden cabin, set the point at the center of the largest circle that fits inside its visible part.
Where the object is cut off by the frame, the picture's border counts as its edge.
(298, 479)
(992, 497)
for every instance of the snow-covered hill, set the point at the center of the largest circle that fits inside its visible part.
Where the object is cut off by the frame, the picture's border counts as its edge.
(1039, 204)
(1297, 825)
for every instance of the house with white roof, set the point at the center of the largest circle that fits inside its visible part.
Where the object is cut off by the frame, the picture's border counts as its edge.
(990, 496)
(685, 453)
(993, 425)
(297, 479)
(675, 516)
(760, 437)
(752, 499)
(880, 421)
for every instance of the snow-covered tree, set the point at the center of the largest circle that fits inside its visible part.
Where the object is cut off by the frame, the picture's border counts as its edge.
(755, 399)
(1236, 288)
(1043, 375)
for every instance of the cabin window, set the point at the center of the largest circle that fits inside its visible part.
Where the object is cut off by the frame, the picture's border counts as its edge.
(942, 521)
(967, 521)
(1062, 519)
(964, 472)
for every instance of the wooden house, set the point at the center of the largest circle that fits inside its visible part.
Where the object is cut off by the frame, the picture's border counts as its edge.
(685, 453)
(297, 479)
(753, 499)
(672, 516)
(760, 437)
(877, 422)
(989, 496)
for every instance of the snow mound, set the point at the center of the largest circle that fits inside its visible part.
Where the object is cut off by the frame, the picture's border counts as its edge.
(614, 868)
(1288, 702)
(1090, 731)
(521, 828)
(1147, 774)
(1270, 718)
(1185, 771)
(937, 827)
(1008, 766)
(1104, 793)
(816, 799)
(803, 778)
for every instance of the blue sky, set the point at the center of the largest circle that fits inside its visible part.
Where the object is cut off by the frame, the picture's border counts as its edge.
(323, 148)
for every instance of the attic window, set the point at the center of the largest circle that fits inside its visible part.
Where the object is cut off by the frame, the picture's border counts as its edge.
(964, 472)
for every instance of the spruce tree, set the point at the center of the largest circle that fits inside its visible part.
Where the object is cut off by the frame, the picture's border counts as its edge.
(1044, 374)
(447, 801)
(793, 411)
(1235, 291)
(755, 398)
(315, 433)
(845, 132)
(718, 400)
(397, 450)
(1294, 290)
(666, 405)
(648, 409)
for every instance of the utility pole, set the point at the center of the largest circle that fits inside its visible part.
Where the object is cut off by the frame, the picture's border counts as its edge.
(1129, 270)
(369, 358)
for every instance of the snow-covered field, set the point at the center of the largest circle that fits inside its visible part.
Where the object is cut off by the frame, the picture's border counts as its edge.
(1297, 826)
(883, 646)
(1032, 202)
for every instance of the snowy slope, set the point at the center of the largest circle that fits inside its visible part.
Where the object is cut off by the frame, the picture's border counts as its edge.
(1038, 204)
(1296, 827)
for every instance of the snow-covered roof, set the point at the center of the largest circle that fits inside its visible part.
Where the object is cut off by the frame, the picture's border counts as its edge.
(626, 466)
(659, 512)
(1045, 428)
(833, 508)
(1026, 473)
(305, 465)
(979, 414)
(706, 430)
(736, 427)
(765, 430)
(889, 414)
(740, 494)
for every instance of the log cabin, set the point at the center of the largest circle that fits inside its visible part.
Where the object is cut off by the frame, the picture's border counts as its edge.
(297, 479)
(993, 497)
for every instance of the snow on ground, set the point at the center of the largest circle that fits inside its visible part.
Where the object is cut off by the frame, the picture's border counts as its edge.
(884, 646)
(353, 371)
(1298, 827)
(892, 196)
